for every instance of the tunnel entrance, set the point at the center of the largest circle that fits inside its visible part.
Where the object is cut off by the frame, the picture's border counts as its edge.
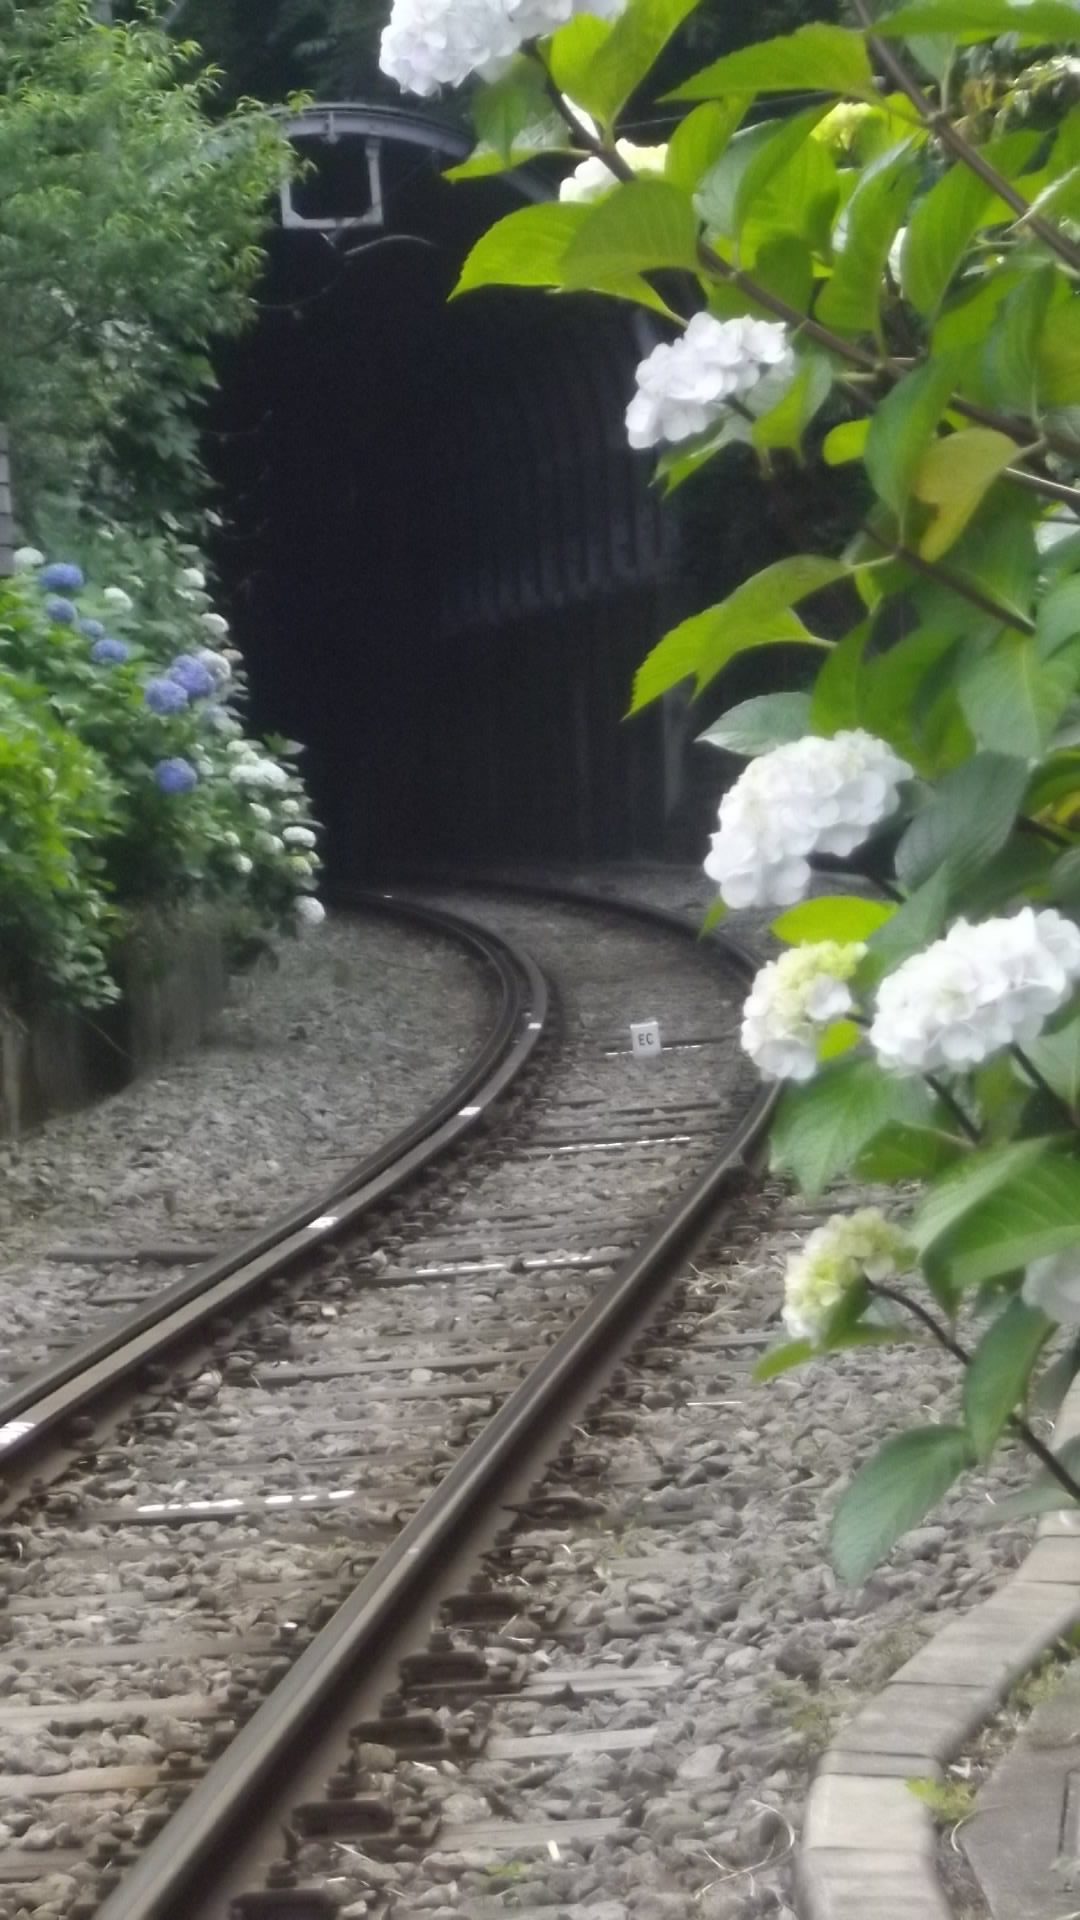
(442, 560)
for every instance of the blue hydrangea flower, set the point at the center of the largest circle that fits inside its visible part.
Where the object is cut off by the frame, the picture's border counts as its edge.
(63, 612)
(108, 653)
(164, 696)
(175, 776)
(189, 673)
(61, 576)
(93, 629)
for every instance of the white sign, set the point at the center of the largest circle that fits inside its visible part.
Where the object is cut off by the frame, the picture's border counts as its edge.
(645, 1044)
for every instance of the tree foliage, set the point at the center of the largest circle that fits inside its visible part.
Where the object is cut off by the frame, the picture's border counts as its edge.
(131, 223)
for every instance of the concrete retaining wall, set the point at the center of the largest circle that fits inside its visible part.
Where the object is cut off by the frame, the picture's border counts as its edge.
(61, 1061)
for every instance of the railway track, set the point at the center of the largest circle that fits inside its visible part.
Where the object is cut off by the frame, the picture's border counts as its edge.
(212, 1574)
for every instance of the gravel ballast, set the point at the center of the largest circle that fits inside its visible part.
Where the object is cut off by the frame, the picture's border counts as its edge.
(363, 1023)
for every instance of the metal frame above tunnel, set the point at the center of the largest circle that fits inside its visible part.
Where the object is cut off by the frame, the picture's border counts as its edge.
(546, 561)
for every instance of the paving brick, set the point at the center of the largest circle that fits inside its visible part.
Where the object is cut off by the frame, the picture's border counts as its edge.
(996, 1642)
(868, 1815)
(917, 1721)
(1054, 1558)
(889, 1766)
(841, 1885)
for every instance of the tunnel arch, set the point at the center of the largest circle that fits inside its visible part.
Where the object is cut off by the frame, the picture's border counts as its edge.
(443, 561)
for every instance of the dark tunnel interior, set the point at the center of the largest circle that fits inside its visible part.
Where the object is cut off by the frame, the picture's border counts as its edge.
(442, 562)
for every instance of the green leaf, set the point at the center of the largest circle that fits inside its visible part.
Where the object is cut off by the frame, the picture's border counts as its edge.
(528, 248)
(785, 423)
(699, 140)
(906, 692)
(815, 56)
(946, 1206)
(969, 818)
(1011, 355)
(822, 1127)
(716, 912)
(954, 476)
(851, 300)
(902, 426)
(846, 442)
(515, 113)
(745, 169)
(944, 223)
(1034, 1213)
(835, 702)
(1058, 618)
(1057, 361)
(1013, 877)
(841, 916)
(1013, 699)
(571, 51)
(902, 1153)
(524, 248)
(996, 1381)
(755, 726)
(912, 928)
(896, 1488)
(966, 21)
(1044, 1495)
(793, 1353)
(641, 225)
(626, 54)
(758, 614)
(1057, 1057)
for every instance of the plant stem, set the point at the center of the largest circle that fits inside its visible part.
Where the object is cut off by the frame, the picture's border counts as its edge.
(948, 1099)
(1039, 1080)
(952, 1346)
(965, 588)
(939, 122)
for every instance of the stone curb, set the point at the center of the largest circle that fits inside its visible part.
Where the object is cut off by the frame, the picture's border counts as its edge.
(868, 1845)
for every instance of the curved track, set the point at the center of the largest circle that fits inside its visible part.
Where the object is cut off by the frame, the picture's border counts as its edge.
(182, 1492)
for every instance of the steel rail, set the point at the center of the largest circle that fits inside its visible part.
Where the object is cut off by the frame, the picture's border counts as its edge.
(32, 1408)
(157, 1887)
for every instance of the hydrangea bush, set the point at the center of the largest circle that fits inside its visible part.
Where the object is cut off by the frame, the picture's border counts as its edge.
(129, 779)
(880, 274)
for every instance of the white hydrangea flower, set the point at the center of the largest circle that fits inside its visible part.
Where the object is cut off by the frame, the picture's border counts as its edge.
(809, 796)
(896, 254)
(790, 1002)
(260, 813)
(298, 837)
(980, 989)
(243, 862)
(309, 911)
(291, 808)
(27, 559)
(684, 385)
(193, 577)
(259, 772)
(203, 765)
(848, 1248)
(215, 623)
(594, 177)
(300, 864)
(1053, 1285)
(117, 597)
(230, 839)
(428, 44)
(269, 842)
(216, 665)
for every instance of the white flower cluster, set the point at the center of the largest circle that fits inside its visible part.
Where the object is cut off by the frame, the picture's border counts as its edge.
(976, 991)
(810, 796)
(594, 177)
(848, 1248)
(790, 1002)
(428, 44)
(1053, 1285)
(685, 385)
(253, 769)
